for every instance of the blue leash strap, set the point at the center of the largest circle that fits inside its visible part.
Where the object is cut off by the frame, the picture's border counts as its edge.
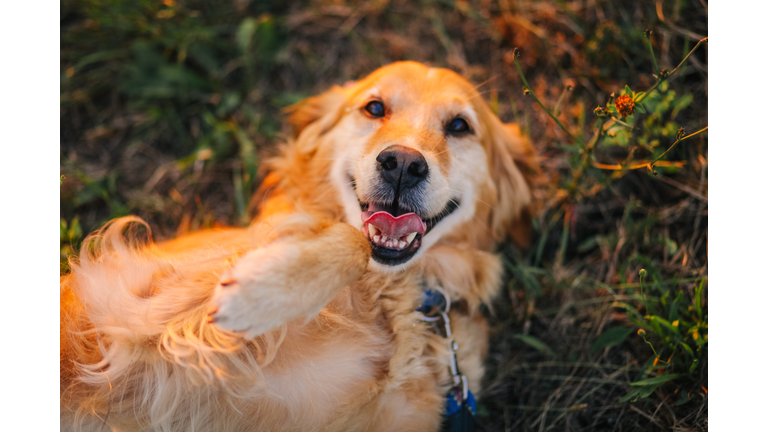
(455, 402)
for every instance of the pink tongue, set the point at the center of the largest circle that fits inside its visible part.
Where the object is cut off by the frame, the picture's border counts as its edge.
(394, 227)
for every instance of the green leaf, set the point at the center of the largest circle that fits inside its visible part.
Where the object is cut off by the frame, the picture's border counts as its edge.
(699, 334)
(611, 338)
(681, 103)
(639, 393)
(655, 380)
(75, 231)
(535, 343)
(204, 56)
(639, 95)
(663, 323)
(656, 327)
(673, 311)
(693, 365)
(245, 33)
(683, 398)
(687, 348)
(646, 391)
(569, 148)
(639, 108)
(627, 90)
(633, 393)
(63, 229)
(670, 244)
(587, 244)
(699, 290)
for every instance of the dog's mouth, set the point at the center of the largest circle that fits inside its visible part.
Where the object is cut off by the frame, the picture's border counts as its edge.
(395, 233)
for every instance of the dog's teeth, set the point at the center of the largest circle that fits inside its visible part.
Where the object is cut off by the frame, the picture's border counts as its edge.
(410, 237)
(390, 242)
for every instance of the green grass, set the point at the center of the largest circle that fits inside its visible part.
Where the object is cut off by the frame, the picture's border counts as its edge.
(674, 320)
(167, 109)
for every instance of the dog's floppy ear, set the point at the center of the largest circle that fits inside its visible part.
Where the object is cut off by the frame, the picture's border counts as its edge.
(313, 117)
(324, 109)
(515, 171)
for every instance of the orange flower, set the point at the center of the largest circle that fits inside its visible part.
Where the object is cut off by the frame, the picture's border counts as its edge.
(625, 105)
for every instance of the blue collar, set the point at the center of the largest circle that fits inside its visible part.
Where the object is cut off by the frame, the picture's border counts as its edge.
(432, 299)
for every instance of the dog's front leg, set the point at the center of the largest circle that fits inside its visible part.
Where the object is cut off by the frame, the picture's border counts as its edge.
(308, 262)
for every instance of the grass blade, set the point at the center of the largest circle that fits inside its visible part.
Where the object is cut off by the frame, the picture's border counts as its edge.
(535, 343)
(611, 338)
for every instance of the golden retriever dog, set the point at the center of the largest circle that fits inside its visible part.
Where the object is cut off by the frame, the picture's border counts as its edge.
(398, 183)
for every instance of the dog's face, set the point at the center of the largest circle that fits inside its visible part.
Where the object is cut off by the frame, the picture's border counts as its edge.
(414, 154)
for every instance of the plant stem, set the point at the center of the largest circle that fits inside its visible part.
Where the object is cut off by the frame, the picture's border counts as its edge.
(586, 151)
(525, 83)
(662, 79)
(621, 123)
(643, 164)
(675, 143)
(650, 164)
(653, 56)
(556, 110)
(652, 349)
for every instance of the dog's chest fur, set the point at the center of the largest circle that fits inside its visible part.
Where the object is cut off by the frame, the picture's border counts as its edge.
(368, 354)
(408, 360)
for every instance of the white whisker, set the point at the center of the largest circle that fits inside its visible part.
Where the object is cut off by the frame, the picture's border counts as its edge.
(476, 199)
(338, 159)
(448, 149)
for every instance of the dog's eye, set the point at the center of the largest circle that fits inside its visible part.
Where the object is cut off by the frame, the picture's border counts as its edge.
(457, 126)
(375, 109)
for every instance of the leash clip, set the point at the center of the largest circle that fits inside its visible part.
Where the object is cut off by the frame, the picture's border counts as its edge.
(440, 306)
(460, 403)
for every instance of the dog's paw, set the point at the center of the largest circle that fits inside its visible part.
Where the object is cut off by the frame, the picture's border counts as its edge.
(253, 296)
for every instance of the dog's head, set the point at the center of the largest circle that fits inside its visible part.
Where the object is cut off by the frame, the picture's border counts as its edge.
(417, 157)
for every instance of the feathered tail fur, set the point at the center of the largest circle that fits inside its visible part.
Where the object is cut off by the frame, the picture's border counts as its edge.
(134, 335)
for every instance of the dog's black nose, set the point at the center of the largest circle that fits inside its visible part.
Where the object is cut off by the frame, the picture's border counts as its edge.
(403, 166)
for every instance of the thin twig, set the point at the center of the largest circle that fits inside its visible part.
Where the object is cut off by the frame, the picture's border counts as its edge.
(530, 90)
(693, 192)
(642, 413)
(556, 110)
(654, 162)
(619, 122)
(666, 77)
(644, 164)
(653, 55)
(675, 143)
(585, 157)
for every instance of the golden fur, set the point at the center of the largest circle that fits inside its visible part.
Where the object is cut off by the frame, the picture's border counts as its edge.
(310, 334)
